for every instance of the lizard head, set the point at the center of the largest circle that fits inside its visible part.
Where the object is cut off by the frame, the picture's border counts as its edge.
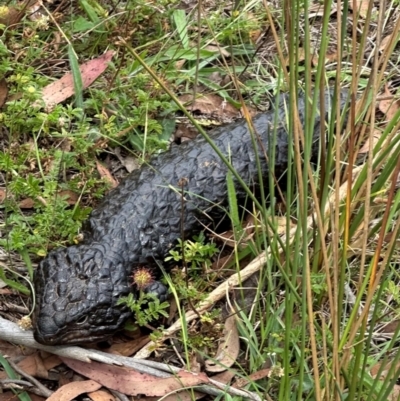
(77, 290)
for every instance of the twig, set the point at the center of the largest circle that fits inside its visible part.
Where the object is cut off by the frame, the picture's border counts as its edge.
(14, 308)
(44, 390)
(13, 333)
(22, 385)
(14, 384)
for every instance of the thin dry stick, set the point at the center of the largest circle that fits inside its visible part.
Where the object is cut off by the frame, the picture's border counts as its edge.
(332, 276)
(43, 390)
(375, 69)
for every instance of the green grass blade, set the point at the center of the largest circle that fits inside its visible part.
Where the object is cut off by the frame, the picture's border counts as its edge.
(25, 256)
(181, 24)
(90, 11)
(13, 284)
(233, 205)
(77, 77)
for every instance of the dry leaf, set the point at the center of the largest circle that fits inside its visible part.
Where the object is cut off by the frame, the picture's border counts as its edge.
(11, 17)
(129, 162)
(185, 132)
(11, 350)
(62, 89)
(390, 328)
(71, 390)
(179, 64)
(225, 377)
(394, 395)
(216, 49)
(301, 55)
(228, 237)
(27, 203)
(36, 365)
(130, 382)
(255, 35)
(104, 173)
(3, 91)
(375, 138)
(130, 347)
(389, 106)
(384, 43)
(280, 224)
(362, 7)
(329, 58)
(228, 349)
(317, 10)
(261, 374)
(221, 262)
(70, 196)
(212, 105)
(2, 195)
(388, 366)
(101, 395)
(35, 12)
(178, 396)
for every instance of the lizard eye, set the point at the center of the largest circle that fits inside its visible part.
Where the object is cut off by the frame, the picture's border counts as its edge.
(82, 320)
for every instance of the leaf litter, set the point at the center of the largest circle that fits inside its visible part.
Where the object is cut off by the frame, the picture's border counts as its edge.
(131, 382)
(62, 89)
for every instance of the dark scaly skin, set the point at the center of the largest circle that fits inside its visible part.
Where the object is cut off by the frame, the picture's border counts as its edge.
(77, 288)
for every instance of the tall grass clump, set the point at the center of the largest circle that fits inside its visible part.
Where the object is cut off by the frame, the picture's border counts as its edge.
(327, 285)
(324, 285)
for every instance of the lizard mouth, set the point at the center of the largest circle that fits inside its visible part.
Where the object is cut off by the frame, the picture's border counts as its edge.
(72, 337)
(47, 332)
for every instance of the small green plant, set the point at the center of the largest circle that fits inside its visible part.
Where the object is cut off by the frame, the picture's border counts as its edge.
(195, 253)
(318, 282)
(207, 333)
(146, 308)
